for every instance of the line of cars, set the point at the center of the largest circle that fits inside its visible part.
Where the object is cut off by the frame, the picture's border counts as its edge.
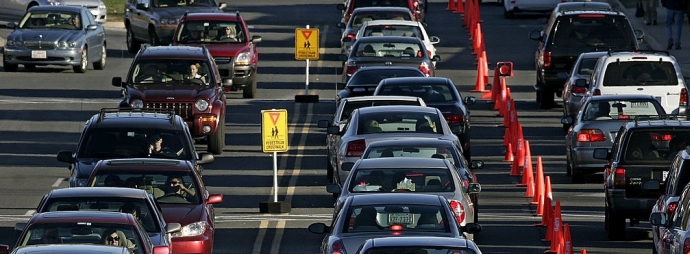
(398, 143)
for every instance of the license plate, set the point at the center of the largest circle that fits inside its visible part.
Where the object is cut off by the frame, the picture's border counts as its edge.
(39, 54)
(400, 218)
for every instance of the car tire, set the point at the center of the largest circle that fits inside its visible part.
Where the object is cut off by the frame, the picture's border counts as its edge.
(615, 226)
(249, 92)
(8, 66)
(81, 68)
(216, 141)
(100, 65)
(153, 37)
(508, 14)
(568, 168)
(576, 177)
(329, 169)
(132, 44)
(476, 211)
(546, 98)
(566, 127)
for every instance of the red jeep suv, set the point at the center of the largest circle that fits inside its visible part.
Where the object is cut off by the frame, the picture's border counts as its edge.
(230, 42)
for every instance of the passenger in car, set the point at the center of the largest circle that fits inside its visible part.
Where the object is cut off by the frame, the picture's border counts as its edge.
(112, 181)
(194, 73)
(117, 238)
(50, 236)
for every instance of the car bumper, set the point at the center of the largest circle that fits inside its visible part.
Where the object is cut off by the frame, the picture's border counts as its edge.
(53, 56)
(242, 75)
(555, 79)
(204, 124)
(630, 207)
(194, 244)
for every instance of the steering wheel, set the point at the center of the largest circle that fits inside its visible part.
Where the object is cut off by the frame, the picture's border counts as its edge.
(173, 195)
(168, 76)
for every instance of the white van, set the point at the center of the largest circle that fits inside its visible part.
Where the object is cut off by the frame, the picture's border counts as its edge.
(654, 73)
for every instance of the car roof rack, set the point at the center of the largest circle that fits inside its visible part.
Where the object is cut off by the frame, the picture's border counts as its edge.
(130, 111)
(664, 118)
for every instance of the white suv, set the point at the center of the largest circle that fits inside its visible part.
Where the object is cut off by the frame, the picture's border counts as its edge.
(654, 73)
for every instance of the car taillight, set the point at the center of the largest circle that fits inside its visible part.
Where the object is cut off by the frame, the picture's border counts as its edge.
(578, 90)
(686, 246)
(620, 117)
(547, 59)
(351, 69)
(683, 97)
(465, 183)
(355, 148)
(597, 92)
(396, 227)
(619, 178)
(459, 211)
(672, 208)
(590, 135)
(661, 137)
(351, 36)
(454, 118)
(338, 248)
(424, 67)
(428, 52)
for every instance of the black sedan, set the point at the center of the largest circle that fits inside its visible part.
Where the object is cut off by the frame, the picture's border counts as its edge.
(430, 148)
(387, 51)
(365, 80)
(440, 93)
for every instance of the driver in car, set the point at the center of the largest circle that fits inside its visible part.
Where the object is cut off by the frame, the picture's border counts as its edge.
(175, 185)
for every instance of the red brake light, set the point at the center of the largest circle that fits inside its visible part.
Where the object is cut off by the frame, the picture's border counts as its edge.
(351, 69)
(454, 119)
(459, 211)
(623, 117)
(578, 90)
(597, 92)
(425, 69)
(396, 227)
(661, 137)
(428, 52)
(590, 135)
(356, 148)
(547, 59)
(672, 207)
(683, 97)
(591, 15)
(351, 36)
(619, 178)
(338, 248)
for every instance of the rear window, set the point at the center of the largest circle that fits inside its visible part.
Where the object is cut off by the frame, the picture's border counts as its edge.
(408, 180)
(359, 18)
(364, 77)
(393, 217)
(351, 106)
(586, 66)
(413, 151)
(416, 249)
(428, 92)
(655, 146)
(593, 31)
(683, 179)
(387, 49)
(399, 122)
(621, 109)
(640, 73)
(393, 30)
(144, 213)
(370, 3)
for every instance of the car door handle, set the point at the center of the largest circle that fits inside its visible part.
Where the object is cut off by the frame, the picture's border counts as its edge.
(640, 89)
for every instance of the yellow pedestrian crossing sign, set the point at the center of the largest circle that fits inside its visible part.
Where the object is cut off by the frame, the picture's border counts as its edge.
(307, 43)
(274, 130)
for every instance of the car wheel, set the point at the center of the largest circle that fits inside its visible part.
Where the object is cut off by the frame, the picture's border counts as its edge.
(8, 66)
(545, 98)
(81, 68)
(576, 177)
(249, 92)
(566, 127)
(508, 14)
(329, 169)
(216, 142)
(153, 37)
(100, 65)
(132, 44)
(616, 226)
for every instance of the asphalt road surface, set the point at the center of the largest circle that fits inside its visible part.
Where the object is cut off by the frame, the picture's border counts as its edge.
(43, 111)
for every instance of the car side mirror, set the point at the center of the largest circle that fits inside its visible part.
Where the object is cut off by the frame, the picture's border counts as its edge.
(535, 35)
(256, 39)
(341, 25)
(117, 81)
(581, 82)
(347, 166)
(205, 158)
(476, 164)
(639, 35)
(469, 100)
(318, 228)
(215, 199)
(601, 153)
(222, 5)
(434, 39)
(12, 25)
(436, 58)
(227, 82)
(143, 6)
(472, 228)
(474, 188)
(20, 226)
(659, 219)
(66, 156)
(333, 188)
(567, 120)
(173, 227)
(333, 130)
(91, 27)
(324, 123)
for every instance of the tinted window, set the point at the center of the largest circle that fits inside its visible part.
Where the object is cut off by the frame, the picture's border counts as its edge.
(393, 30)
(418, 151)
(169, 71)
(210, 32)
(145, 213)
(396, 50)
(639, 73)
(407, 179)
(654, 145)
(82, 233)
(162, 185)
(586, 66)
(590, 30)
(364, 77)
(369, 3)
(683, 178)
(396, 217)
(178, 3)
(359, 18)
(621, 110)
(417, 250)
(106, 143)
(392, 122)
(430, 93)
(351, 106)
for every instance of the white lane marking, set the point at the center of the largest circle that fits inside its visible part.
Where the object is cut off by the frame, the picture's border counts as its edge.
(57, 182)
(260, 237)
(275, 245)
(29, 212)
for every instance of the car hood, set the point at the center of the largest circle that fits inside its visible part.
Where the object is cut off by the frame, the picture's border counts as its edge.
(177, 12)
(352, 241)
(171, 93)
(46, 35)
(182, 213)
(222, 50)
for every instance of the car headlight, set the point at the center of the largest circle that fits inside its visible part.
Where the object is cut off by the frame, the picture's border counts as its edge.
(9, 43)
(137, 103)
(67, 44)
(193, 229)
(169, 21)
(81, 182)
(243, 58)
(201, 105)
(101, 6)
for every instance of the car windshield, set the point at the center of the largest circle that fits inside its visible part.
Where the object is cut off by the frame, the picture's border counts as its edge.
(393, 30)
(370, 3)
(144, 213)
(655, 146)
(83, 233)
(352, 105)
(389, 50)
(122, 142)
(590, 31)
(420, 250)
(209, 31)
(640, 73)
(405, 179)
(429, 92)
(359, 18)
(414, 151)
(620, 109)
(182, 3)
(171, 71)
(392, 217)
(51, 20)
(166, 187)
(397, 122)
(373, 77)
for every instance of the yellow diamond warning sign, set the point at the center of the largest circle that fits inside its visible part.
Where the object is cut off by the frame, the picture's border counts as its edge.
(307, 43)
(274, 130)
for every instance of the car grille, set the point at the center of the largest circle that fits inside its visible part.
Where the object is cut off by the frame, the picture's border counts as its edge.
(223, 60)
(184, 110)
(42, 44)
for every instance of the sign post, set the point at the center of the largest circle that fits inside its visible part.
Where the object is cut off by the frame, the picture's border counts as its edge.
(306, 48)
(274, 139)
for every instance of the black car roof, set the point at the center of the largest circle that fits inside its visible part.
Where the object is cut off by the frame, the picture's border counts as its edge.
(136, 119)
(417, 80)
(98, 192)
(397, 108)
(395, 199)
(656, 122)
(172, 52)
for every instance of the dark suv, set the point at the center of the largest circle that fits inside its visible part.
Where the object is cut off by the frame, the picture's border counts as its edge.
(569, 33)
(636, 169)
(119, 133)
(154, 21)
(676, 177)
(180, 78)
(231, 44)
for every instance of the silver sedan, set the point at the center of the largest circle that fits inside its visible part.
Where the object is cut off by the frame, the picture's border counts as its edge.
(573, 92)
(596, 126)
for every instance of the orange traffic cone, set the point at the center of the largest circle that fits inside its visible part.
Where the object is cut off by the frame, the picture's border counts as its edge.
(557, 228)
(583, 251)
(567, 238)
(548, 209)
(547, 213)
(539, 190)
(509, 153)
(480, 84)
(520, 151)
(477, 40)
(501, 98)
(495, 85)
(527, 174)
(515, 169)
(451, 5)
(506, 137)
(506, 117)
(459, 8)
